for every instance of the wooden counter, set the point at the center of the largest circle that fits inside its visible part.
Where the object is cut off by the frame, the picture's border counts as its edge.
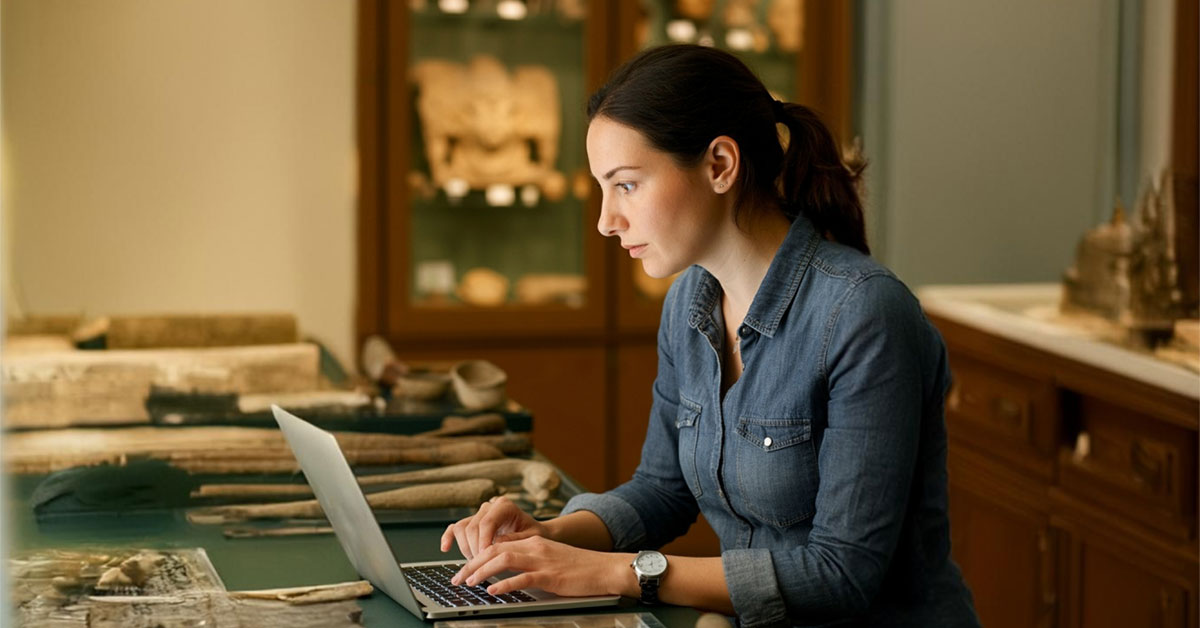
(1073, 471)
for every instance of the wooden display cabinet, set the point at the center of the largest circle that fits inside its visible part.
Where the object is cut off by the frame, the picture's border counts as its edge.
(1072, 489)
(584, 370)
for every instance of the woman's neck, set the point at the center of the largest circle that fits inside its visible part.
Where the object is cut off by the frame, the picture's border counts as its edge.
(743, 255)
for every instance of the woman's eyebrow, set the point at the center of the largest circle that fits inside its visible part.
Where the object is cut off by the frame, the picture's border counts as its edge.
(608, 175)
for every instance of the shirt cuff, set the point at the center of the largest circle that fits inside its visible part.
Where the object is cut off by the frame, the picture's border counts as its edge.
(753, 588)
(623, 522)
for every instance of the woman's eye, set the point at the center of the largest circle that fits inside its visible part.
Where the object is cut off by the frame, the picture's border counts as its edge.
(625, 187)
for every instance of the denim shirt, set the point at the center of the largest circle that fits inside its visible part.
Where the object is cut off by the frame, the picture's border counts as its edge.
(823, 469)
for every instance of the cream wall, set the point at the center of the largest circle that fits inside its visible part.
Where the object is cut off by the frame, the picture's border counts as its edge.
(181, 155)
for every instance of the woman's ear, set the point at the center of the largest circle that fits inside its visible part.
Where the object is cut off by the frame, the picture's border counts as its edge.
(722, 162)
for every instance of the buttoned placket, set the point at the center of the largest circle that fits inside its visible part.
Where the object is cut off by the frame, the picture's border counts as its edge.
(715, 334)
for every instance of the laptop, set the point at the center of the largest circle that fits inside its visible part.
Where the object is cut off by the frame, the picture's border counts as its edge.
(422, 588)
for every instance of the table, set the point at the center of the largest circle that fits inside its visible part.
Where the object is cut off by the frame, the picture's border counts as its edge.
(255, 563)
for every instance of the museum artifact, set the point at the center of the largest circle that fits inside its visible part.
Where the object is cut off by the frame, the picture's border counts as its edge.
(222, 449)
(186, 330)
(483, 125)
(785, 18)
(698, 10)
(490, 423)
(123, 587)
(1126, 270)
(479, 384)
(539, 480)
(421, 385)
(461, 494)
(61, 388)
(544, 288)
(311, 594)
(483, 287)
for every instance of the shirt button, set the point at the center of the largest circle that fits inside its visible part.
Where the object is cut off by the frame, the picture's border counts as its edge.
(744, 331)
(767, 442)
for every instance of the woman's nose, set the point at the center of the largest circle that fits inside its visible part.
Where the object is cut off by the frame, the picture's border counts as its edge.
(610, 223)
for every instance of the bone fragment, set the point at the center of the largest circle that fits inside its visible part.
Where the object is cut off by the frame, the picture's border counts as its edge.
(253, 533)
(112, 579)
(251, 490)
(226, 449)
(539, 479)
(446, 453)
(310, 594)
(139, 567)
(467, 493)
(490, 423)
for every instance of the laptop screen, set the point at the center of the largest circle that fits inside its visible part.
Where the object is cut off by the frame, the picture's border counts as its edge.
(342, 500)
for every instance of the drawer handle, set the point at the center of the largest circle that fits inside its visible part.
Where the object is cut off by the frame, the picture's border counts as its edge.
(1083, 447)
(1148, 464)
(1006, 409)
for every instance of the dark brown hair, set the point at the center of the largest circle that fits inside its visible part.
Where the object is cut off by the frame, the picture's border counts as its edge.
(681, 97)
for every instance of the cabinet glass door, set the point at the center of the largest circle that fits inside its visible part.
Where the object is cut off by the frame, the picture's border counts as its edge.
(496, 220)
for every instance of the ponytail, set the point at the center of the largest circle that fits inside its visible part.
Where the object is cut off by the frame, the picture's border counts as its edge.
(814, 180)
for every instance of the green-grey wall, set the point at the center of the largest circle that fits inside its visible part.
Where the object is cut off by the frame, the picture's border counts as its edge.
(993, 133)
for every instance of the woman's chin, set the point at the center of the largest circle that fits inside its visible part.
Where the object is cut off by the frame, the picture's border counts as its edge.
(660, 271)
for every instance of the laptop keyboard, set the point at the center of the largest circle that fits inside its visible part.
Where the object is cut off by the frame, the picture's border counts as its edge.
(434, 581)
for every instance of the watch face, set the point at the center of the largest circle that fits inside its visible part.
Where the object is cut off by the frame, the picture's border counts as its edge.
(651, 563)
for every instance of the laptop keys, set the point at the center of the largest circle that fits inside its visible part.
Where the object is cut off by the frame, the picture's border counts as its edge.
(434, 581)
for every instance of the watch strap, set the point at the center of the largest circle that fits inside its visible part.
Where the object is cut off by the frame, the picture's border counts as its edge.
(649, 590)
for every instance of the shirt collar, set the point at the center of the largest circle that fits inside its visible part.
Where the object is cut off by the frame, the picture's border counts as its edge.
(777, 289)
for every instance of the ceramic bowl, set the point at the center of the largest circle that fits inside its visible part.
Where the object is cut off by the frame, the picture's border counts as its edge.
(479, 384)
(421, 385)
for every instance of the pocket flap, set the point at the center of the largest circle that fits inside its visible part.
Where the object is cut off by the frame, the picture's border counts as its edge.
(774, 434)
(689, 411)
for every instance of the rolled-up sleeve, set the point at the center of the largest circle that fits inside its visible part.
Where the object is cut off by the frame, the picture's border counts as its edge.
(875, 355)
(753, 588)
(656, 505)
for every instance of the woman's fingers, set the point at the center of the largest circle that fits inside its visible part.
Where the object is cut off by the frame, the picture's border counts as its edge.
(470, 532)
(523, 580)
(447, 538)
(464, 547)
(490, 561)
(516, 536)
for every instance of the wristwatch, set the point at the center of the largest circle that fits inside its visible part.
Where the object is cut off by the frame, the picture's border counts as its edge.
(649, 567)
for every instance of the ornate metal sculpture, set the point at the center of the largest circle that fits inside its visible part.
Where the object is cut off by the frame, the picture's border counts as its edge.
(1127, 271)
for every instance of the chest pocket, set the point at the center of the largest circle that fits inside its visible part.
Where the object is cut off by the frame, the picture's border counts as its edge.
(776, 469)
(687, 423)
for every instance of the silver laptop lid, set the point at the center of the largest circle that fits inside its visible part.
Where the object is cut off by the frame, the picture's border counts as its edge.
(342, 500)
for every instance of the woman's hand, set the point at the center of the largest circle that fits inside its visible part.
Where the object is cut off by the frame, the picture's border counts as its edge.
(498, 520)
(549, 565)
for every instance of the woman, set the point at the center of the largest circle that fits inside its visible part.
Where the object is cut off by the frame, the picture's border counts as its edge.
(799, 396)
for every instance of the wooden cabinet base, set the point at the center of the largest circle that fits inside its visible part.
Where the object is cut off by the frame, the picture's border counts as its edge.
(1072, 493)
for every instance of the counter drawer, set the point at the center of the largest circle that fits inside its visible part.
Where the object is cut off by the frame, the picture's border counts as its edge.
(1008, 415)
(1140, 467)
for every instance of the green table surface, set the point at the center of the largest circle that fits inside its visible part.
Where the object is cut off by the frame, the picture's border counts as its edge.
(255, 563)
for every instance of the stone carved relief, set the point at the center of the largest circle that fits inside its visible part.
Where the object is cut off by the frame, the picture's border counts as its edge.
(485, 126)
